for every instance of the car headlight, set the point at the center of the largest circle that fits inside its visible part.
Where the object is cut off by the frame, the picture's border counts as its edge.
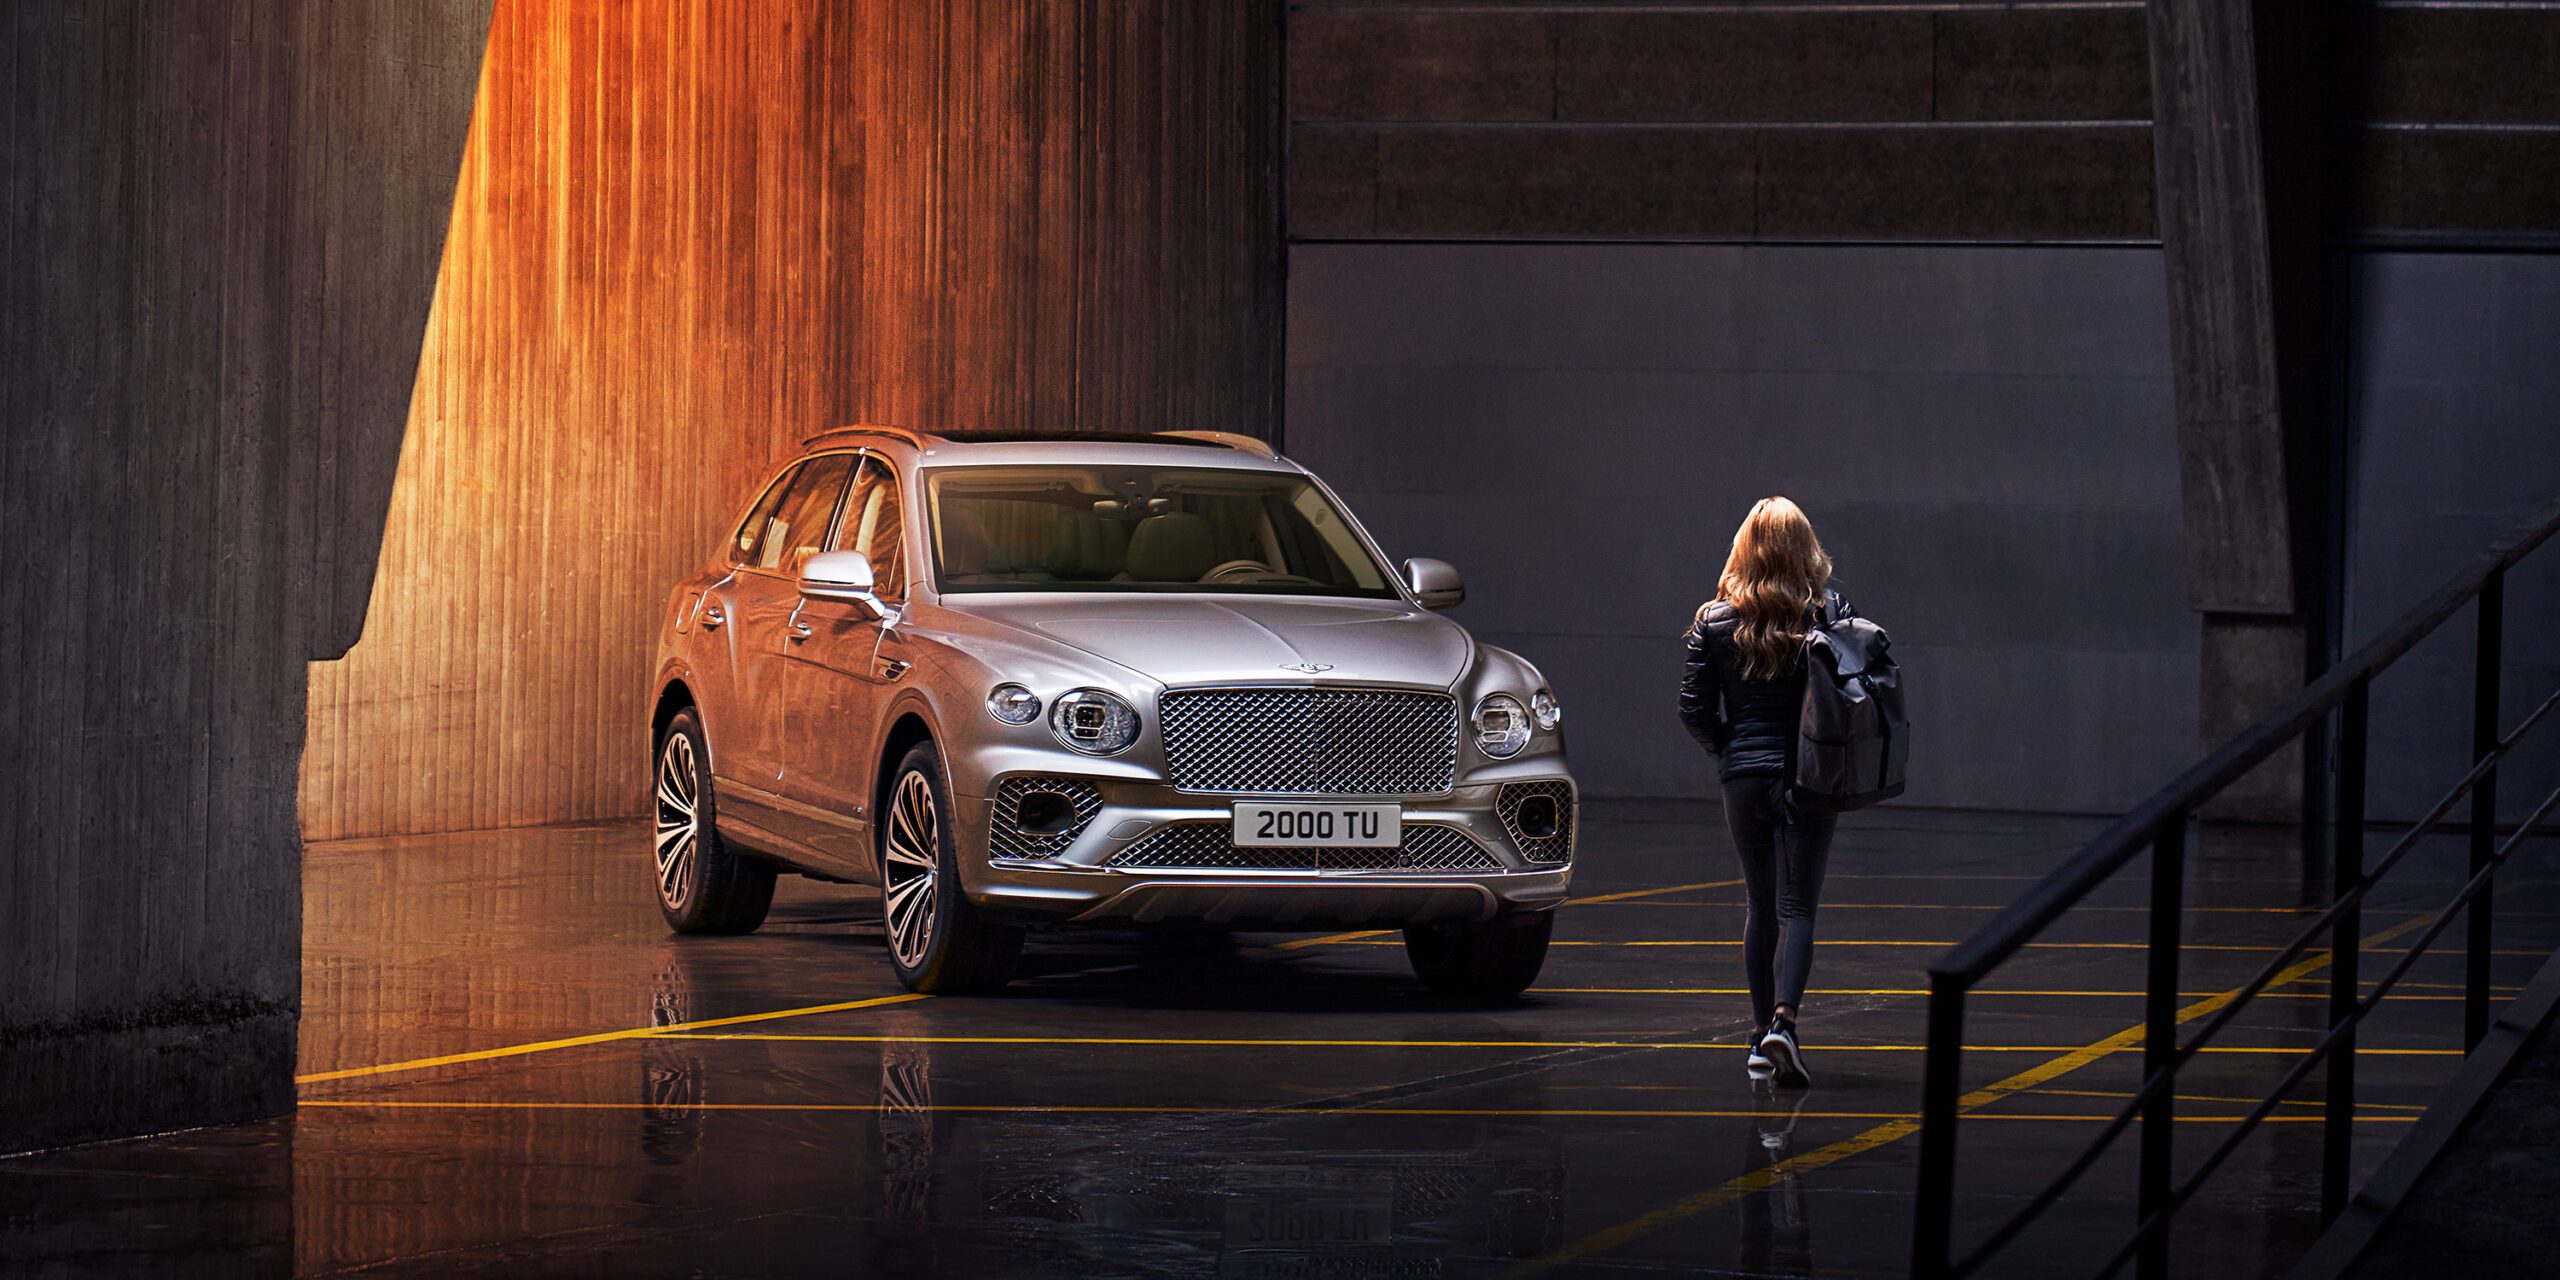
(1013, 704)
(1544, 706)
(1093, 722)
(1502, 726)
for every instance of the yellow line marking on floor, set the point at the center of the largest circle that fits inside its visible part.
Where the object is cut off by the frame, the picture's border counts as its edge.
(1301, 944)
(2211, 1097)
(1922, 991)
(1995, 906)
(600, 1037)
(1603, 1113)
(1370, 935)
(1633, 894)
(1180, 1042)
(2042, 946)
(1894, 1131)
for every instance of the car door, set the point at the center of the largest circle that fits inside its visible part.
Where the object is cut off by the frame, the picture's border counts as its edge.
(836, 683)
(708, 641)
(763, 597)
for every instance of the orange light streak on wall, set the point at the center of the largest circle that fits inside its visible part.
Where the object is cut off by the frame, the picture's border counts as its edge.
(638, 309)
(687, 235)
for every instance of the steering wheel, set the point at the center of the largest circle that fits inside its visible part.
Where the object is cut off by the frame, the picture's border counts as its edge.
(1234, 568)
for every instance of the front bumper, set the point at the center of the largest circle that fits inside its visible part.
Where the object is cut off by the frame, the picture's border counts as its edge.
(1075, 878)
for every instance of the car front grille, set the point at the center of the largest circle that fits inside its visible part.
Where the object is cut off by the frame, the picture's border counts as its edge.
(1556, 845)
(1205, 845)
(1006, 837)
(1311, 742)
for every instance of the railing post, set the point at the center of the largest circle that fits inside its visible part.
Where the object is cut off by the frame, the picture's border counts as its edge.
(2160, 1039)
(2487, 656)
(2338, 1127)
(1942, 1079)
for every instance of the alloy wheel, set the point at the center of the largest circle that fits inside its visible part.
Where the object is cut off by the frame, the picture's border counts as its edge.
(912, 870)
(679, 833)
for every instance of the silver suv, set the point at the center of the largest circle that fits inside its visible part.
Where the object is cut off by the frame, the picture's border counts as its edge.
(1123, 680)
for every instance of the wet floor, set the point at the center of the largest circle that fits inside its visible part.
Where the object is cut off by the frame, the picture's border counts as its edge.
(509, 1066)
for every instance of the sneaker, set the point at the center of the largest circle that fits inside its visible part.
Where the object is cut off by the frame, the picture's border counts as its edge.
(1758, 1063)
(1778, 1045)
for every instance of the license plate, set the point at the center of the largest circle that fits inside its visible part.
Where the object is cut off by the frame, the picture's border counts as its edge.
(1324, 826)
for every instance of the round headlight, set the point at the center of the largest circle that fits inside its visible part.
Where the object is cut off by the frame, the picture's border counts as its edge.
(1093, 722)
(1543, 705)
(1502, 726)
(1013, 704)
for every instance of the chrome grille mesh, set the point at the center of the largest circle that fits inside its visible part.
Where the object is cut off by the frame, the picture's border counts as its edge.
(1311, 742)
(1006, 840)
(1554, 848)
(1205, 845)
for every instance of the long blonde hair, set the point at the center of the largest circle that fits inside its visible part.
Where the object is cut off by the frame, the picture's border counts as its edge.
(1775, 576)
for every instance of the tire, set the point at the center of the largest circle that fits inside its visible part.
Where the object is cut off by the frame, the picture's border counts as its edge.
(939, 943)
(705, 885)
(1480, 959)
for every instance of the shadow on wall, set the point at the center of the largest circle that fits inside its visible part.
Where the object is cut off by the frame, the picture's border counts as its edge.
(1982, 435)
(223, 221)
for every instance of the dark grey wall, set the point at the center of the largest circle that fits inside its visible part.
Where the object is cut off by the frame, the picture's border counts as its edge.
(222, 222)
(1982, 435)
(2455, 406)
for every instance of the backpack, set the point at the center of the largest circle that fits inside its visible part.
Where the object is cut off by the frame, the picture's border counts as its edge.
(1852, 740)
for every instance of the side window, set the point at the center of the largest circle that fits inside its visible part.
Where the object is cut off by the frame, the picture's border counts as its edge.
(798, 526)
(742, 544)
(875, 526)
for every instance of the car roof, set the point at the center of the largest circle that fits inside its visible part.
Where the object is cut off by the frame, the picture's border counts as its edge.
(982, 448)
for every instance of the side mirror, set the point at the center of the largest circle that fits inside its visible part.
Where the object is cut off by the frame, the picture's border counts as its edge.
(842, 576)
(1436, 583)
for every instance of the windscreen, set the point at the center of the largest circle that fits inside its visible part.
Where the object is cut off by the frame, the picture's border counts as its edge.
(1144, 529)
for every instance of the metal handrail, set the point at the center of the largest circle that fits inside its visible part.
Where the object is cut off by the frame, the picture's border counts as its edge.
(2158, 827)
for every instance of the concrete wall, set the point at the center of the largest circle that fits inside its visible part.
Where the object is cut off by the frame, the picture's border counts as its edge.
(2455, 409)
(1982, 435)
(223, 221)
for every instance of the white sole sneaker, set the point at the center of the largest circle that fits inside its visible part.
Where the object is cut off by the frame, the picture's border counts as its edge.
(1785, 1060)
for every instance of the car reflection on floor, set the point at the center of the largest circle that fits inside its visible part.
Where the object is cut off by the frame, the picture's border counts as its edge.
(1233, 1189)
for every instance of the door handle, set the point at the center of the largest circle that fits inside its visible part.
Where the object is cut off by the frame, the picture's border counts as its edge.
(799, 631)
(712, 618)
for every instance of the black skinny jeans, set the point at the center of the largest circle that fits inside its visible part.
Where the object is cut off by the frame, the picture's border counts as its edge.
(1783, 851)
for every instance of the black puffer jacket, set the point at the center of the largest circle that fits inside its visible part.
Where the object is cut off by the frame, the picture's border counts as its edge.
(1750, 724)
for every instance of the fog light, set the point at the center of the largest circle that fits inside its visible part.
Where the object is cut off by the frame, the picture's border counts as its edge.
(1539, 818)
(1044, 813)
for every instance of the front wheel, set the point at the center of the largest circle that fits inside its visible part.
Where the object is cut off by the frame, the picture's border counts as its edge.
(938, 942)
(704, 884)
(1480, 959)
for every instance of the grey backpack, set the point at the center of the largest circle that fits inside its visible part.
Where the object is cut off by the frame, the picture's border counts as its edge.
(1853, 739)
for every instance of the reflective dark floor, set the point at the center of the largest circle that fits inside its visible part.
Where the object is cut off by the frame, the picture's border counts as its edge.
(511, 1067)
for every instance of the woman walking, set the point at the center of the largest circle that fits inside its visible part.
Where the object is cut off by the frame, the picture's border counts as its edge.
(1740, 697)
